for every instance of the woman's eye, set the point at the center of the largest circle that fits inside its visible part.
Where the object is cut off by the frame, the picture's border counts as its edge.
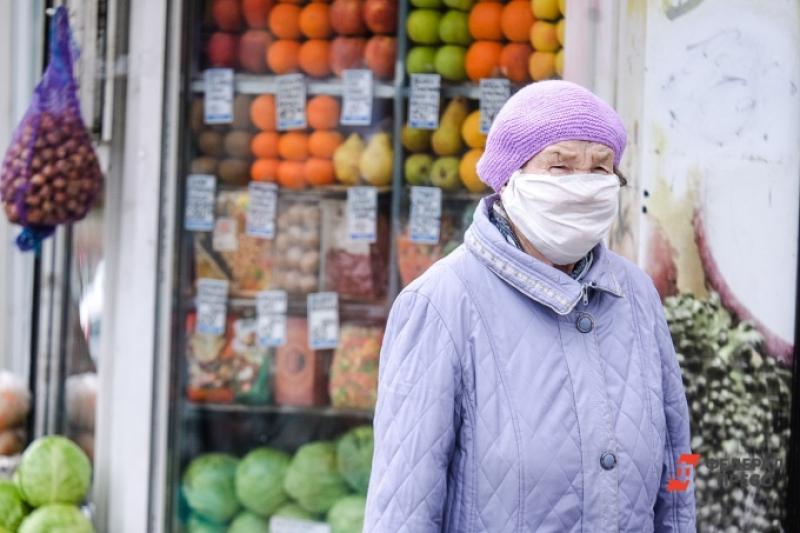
(601, 170)
(558, 169)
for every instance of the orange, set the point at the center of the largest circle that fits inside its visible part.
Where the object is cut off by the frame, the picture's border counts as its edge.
(517, 20)
(542, 65)
(293, 146)
(262, 112)
(514, 62)
(291, 174)
(322, 143)
(485, 21)
(265, 145)
(314, 21)
(544, 36)
(282, 56)
(284, 21)
(319, 172)
(264, 170)
(314, 57)
(323, 112)
(483, 59)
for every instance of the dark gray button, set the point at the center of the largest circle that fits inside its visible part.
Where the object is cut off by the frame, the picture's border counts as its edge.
(608, 460)
(584, 323)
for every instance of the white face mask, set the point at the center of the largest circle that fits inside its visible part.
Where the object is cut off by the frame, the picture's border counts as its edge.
(562, 216)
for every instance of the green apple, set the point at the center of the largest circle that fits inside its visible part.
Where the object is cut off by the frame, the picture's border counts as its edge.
(427, 3)
(423, 26)
(421, 60)
(462, 5)
(450, 62)
(454, 28)
(417, 169)
(415, 139)
(444, 174)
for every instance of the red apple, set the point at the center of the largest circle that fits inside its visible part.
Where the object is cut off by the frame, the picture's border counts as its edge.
(381, 15)
(380, 55)
(223, 49)
(346, 17)
(227, 14)
(256, 13)
(346, 52)
(253, 51)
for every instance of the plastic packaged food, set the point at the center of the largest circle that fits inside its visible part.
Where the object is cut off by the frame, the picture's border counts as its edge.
(301, 374)
(354, 371)
(297, 241)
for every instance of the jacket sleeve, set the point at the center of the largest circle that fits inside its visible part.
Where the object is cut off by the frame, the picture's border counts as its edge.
(414, 421)
(675, 510)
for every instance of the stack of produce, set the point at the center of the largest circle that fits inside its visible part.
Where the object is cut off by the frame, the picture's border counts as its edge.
(501, 33)
(739, 402)
(297, 254)
(547, 38)
(322, 481)
(354, 371)
(358, 163)
(439, 36)
(15, 402)
(51, 481)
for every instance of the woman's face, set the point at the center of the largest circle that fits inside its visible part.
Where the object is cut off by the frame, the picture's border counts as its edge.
(572, 157)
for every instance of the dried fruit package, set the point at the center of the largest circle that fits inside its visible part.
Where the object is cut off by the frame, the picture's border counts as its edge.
(50, 174)
(354, 371)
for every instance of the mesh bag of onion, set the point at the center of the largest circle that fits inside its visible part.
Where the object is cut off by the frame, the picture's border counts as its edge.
(50, 173)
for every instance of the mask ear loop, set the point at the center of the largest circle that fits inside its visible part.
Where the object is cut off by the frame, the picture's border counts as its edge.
(623, 181)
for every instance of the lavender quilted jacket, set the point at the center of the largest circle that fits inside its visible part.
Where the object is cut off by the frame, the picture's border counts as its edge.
(513, 398)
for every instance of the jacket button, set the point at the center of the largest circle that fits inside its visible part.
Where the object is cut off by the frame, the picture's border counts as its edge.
(584, 323)
(608, 460)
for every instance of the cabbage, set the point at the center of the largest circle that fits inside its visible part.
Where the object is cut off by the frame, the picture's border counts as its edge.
(198, 524)
(12, 508)
(248, 522)
(313, 479)
(259, 480)
(354, 457)
(56, 518)
(208, 485)
(292, 510)
(347, 515)
(53, 470)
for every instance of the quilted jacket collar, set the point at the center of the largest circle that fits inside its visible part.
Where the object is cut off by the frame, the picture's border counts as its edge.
(539, 281)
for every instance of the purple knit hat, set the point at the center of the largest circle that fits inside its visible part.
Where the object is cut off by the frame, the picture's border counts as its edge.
(541, 114)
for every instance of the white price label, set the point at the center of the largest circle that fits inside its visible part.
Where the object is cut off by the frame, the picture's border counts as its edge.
(423, 104)
(281, 524)
(425, 219)
(362, 213)
(291, 102)
(212, 303)
(271, 309)
(494, 93)
(218, 100)
(224, 238)
(200, 190)
(323, 320)
(261, 207)
(357, 98)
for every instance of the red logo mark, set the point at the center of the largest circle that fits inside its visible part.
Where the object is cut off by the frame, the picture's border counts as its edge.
(683, 472)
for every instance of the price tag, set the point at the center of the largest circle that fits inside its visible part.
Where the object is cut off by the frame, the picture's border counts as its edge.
(261, 207)
(218, 100)
(357, 98)
(423, 105)
(494, 93)
(426, 214)
(224, 238)
(212, 303)
(291, 102)
(362, 213)
(271, 309)
(200, 190)
(323, 320)
(281, 524)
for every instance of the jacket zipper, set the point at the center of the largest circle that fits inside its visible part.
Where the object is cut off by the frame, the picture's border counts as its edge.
(585, 291)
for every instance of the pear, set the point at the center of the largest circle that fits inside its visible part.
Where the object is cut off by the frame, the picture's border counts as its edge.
(446, 140)
(346, 159)
(376, 163)
(444, 174)
(415, 140)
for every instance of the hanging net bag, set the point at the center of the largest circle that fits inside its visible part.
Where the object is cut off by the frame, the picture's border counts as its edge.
(50, 173)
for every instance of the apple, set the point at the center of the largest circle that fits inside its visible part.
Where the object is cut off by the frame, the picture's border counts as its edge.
(253, 51)
(346, 17)
(449, 62)
(454, 28)
(444, 173)
(256, 13)
(380, 54)
(381, 16)
(227, 14)
(223, 49)
(423, 26)
(346, 53)
(421, 60)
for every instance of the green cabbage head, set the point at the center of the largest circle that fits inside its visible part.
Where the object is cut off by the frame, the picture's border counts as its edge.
(56, 518)
(347, 515)
(313, 478)
(53, 470)
(208, 485)
(259, 480)
(354, 456)
(12, 508)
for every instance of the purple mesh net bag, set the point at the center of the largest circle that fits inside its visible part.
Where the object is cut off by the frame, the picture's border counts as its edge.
(50, 174)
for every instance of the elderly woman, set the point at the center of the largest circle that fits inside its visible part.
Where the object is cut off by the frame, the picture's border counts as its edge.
(528, 381)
